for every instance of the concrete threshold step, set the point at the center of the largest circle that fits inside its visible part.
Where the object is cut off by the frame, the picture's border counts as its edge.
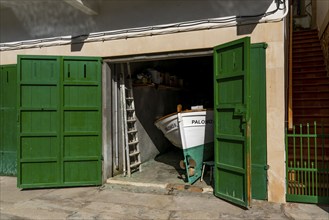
(132, 183)
(163, 186)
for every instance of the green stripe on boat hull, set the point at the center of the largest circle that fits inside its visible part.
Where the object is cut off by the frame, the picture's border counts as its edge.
(199, 154)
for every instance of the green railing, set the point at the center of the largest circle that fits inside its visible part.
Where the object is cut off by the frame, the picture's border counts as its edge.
(307, 164)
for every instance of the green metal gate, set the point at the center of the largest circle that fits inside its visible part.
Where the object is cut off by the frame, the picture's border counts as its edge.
(8, 140)
(307, 164)
(232, 124)
(59, 112)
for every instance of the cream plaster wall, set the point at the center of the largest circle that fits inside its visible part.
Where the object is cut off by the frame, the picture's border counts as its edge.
(271, 33)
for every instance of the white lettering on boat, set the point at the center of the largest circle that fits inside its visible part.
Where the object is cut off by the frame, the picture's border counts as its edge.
(202, 122)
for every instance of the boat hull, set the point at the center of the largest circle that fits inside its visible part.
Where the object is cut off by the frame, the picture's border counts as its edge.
(169, 127)
(199, 154)
(192, 131)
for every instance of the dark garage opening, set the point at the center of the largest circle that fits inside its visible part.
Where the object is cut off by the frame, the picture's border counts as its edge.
(159, 86)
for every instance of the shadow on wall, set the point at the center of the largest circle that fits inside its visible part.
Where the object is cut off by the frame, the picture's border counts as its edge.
(33, 19)
(152, 103)
(78, 42)
(245, 29)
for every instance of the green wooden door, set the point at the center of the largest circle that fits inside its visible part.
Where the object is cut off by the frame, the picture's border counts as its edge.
(59, 111)
(81, 121)
(231, 115)
(258, 117)
(38, 85)
(8, 138)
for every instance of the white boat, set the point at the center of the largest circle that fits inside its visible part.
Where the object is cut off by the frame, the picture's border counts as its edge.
(169, 127)
(193, 132)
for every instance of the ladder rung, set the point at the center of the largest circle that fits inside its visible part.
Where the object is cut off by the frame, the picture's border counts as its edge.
(130, 98)
(133, 142)
(134, 153)
(135, 164)
(132, 131)
(130, 109)
(131, 120)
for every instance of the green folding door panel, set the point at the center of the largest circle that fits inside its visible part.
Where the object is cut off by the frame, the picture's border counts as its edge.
(258, 118)
(81, 115)
(38, 107)
(232, 141)
(59, 111)
(8, 140)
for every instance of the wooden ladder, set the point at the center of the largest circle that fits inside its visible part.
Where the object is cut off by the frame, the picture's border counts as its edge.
(132, 151)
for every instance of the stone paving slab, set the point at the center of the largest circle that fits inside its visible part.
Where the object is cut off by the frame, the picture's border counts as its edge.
(137, 202)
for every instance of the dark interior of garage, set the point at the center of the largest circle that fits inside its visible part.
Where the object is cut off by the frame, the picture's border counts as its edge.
(159, 86)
